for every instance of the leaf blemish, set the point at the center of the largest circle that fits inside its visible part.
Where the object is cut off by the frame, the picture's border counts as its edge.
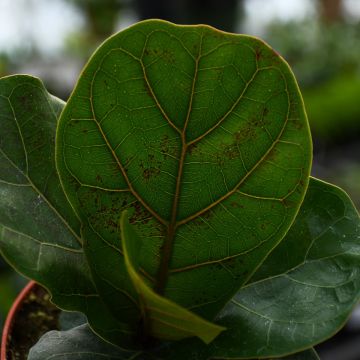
(139, 214)
(150, 172)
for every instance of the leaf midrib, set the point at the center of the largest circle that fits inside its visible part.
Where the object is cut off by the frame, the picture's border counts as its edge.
(173, 224)
(167, 249)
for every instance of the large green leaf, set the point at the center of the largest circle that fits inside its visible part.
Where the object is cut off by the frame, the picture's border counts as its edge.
(39, 232)
(311, 295)
(80, 343)
(308, 299)
(162, 318)
(37, 223)
(203, 137)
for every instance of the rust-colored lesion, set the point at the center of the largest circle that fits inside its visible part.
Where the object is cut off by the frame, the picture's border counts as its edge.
(150, 173)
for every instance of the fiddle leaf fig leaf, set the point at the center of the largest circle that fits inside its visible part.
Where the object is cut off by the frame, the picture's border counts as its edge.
(78, 343)
(39, 231)
(312, 296)
(162, 318)
(309, 354)
(203, 137)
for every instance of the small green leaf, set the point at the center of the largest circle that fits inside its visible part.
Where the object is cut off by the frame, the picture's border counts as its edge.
(79, 343)
(166, 320)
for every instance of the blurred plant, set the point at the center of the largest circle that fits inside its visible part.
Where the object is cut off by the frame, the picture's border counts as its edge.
(315, 50)
(325, 59)
(333, 107)
(101, 16)
(222, 15)
(4, 59)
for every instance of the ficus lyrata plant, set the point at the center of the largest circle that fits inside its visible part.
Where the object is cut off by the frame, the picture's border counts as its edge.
(170, 202)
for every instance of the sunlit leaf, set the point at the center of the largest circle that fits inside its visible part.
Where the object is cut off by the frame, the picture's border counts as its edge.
(202, 136)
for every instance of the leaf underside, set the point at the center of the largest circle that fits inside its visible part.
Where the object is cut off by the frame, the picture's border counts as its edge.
(203, 138)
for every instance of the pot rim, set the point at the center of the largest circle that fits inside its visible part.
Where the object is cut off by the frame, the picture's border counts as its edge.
(11, 315)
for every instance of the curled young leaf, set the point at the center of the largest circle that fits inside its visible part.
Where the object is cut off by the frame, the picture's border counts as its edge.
(162, 318)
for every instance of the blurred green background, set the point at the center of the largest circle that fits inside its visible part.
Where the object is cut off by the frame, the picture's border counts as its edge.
(319, 38)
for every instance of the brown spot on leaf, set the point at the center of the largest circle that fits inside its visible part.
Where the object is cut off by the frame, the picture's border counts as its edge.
(272, 155)
(231, 152)
(166, 147)
(192, 148)
(247, 133)
(298, 124)
(168, 56)
(258, 54)
(140, 214)
(150, 172)
(288, 203)
(237, 204)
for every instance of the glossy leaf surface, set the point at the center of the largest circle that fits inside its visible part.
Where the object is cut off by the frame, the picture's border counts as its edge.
(202, 136)
(162, 318)
(39, 232)
(38, 227)
(80, 343)
(312, 294)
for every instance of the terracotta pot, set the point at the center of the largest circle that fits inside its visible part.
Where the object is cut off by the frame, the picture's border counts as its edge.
(12, 316)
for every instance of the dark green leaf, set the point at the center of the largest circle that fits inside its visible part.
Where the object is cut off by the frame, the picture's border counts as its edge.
(203, 137)
(304, 355)
(79, 343)
(39, 232)
(311, 298)
(38, 227)
(162, 318)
